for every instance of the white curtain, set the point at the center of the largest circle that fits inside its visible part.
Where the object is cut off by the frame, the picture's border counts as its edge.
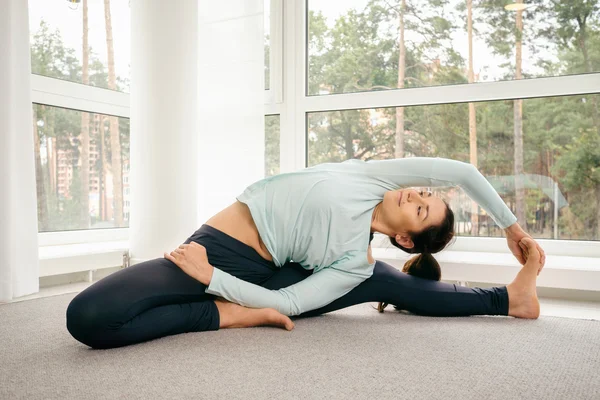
(19, 261)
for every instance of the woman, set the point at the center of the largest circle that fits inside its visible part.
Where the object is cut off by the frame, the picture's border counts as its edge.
(318, 222)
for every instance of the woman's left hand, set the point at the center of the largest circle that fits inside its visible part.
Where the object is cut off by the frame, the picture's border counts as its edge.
(192, 259)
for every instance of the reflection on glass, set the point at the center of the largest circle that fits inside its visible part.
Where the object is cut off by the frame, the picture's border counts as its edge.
(272, 133)
(549, 179)
(365, 45)
(57, 36)
(73, 148)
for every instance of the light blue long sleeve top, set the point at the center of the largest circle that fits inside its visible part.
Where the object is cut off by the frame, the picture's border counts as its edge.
(320, 217)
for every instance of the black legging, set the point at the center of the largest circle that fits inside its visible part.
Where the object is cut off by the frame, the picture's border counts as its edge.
(156, 298)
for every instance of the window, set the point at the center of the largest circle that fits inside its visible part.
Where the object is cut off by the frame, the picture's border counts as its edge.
(64, 202)
(273, 52)
(364, 45)
(271, 145)
(560, 158)
(56, 28)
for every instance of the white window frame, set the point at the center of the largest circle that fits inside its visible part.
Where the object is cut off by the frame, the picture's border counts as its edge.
(61, 93)
(297, 105)
(72, 95)
(287, 98)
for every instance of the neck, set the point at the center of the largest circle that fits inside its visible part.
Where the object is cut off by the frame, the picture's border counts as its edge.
(377, 225)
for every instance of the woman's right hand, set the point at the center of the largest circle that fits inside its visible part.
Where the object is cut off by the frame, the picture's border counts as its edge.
(529, 247)
(514, 235)
(193, 260)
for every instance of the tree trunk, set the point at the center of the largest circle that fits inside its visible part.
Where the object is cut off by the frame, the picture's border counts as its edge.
(518, 129)
(42, 203)
(51, 165)
(101, 188)
(588, 66)
(115, 143)
(399, 152)
(472, 116)
(55, 162)
(84, 198)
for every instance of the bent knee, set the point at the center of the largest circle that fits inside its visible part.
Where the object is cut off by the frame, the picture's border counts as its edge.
(84, 320)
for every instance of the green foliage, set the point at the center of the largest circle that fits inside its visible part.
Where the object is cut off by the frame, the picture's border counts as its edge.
(359, 52)
(50, 57)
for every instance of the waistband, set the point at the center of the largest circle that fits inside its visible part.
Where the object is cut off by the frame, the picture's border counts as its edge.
(207, 236)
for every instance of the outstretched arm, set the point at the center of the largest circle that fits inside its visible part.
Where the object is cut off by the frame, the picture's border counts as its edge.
(430, 172)
(319, 289)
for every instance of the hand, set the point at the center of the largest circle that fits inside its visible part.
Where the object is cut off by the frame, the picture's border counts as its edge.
(532, 254)
(514, 234)
(192, 259)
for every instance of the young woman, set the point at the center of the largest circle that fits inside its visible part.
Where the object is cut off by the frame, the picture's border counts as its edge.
(318, 223)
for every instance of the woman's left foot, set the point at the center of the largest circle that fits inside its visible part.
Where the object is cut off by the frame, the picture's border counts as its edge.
(235, 316)
(522, 294)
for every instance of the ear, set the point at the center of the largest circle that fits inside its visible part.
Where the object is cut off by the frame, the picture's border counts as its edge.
(405, 241)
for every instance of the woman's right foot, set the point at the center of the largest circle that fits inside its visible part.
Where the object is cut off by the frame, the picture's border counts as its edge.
(235, 316)
(522, 295)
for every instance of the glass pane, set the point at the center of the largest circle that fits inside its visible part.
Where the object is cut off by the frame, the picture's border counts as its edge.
(271, 145)
(559, 154)
(365, 45)
(56, 40)
(62, 157)
(267, 42)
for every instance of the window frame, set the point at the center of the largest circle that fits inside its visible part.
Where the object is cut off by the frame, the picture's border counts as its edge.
(288, 98)
(71, 95)
(55, 92)
(297, 106)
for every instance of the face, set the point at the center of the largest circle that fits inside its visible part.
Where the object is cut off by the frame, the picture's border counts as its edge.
(409, 210)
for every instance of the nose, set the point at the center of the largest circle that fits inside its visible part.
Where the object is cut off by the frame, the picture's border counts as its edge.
(414, 194)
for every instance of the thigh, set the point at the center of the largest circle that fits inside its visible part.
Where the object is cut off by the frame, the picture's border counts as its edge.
(128, 292)
(124, 294)
(232, 256)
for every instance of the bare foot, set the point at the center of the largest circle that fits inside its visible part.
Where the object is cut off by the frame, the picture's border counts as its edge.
(522, 296)
(235, 316)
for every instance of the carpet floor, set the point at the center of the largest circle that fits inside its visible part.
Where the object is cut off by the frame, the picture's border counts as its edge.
(354, 353)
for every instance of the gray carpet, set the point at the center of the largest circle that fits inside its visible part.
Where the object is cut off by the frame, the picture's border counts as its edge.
(355, 353)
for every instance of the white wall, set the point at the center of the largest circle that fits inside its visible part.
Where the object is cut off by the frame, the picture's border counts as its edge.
(231, 101)
(164, 126)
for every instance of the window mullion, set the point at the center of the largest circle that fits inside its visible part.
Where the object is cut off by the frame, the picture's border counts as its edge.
(76, 96)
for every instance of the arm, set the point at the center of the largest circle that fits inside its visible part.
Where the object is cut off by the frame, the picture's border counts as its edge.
(425, 171)
(317, 290)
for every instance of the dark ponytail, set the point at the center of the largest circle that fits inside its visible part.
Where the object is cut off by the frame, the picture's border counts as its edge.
(427, 242)
(423, 266)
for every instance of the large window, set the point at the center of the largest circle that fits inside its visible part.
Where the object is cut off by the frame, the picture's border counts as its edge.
(57, 42)
(367, 45)
(355, 47)
(82, 169)
(556, 193)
